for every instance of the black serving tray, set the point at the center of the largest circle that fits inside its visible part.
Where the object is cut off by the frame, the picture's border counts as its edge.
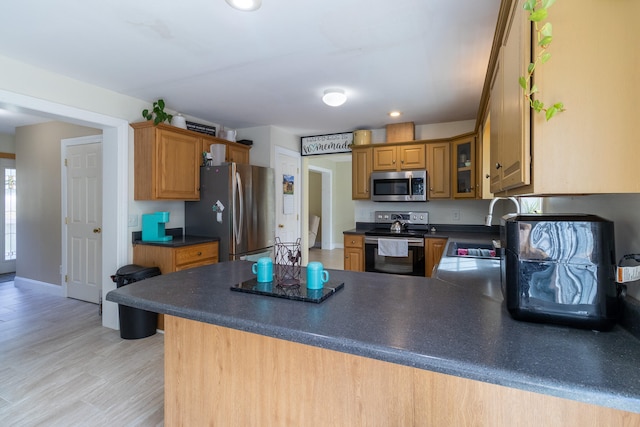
(297, 292)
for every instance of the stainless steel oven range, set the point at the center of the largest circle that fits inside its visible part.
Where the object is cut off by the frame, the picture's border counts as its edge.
(396, 244)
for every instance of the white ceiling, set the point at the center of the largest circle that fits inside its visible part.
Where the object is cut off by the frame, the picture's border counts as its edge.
(426, 58)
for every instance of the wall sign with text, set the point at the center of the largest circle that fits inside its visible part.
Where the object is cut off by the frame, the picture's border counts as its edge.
(326, 144)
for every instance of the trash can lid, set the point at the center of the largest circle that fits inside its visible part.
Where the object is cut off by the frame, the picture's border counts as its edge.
(136, 271)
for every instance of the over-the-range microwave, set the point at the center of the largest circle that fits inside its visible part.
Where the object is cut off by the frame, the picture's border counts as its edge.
(405, 186)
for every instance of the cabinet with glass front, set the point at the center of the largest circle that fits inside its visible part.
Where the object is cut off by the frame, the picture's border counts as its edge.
(464, 167)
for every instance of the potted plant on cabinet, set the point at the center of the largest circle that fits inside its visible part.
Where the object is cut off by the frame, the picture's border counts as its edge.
(159, 113)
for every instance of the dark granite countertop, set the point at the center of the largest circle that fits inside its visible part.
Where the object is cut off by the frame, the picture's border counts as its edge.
(179, 239)
(425, 323)
(444, 231)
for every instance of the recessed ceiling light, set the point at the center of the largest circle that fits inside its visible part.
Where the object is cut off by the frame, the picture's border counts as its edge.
(245, 5)
(334, 97)
(395, 114)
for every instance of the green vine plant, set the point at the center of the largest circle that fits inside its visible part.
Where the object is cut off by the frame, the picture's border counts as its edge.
(158, 111)
(538, 12)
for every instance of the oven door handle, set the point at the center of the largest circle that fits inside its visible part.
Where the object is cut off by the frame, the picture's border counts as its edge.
(411, 240)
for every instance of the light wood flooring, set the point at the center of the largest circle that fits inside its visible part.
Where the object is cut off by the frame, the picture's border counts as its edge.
(60, 367)
(332, 259)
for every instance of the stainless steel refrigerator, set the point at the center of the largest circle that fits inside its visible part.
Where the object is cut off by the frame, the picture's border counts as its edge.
(237, 204)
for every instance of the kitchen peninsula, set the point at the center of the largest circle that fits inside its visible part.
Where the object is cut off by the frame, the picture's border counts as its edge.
(385, 350)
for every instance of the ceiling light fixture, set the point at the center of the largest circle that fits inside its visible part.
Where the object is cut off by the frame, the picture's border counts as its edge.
(334, 97)
(395, 113)
(245, 5)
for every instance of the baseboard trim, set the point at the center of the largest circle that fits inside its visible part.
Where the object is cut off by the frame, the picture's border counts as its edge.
(38, 286)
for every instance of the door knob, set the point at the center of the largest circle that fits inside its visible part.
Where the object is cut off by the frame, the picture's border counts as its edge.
(280, 225)
(97, 230)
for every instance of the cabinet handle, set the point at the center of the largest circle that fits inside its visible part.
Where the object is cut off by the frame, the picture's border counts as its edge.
(199, 253)
(498, 165)
(487, 176)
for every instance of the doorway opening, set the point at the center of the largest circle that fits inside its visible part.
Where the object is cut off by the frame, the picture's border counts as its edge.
(320, 203)
(8, 200)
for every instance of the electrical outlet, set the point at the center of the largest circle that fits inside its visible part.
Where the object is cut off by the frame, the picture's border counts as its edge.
(133, 220)
(455, 214)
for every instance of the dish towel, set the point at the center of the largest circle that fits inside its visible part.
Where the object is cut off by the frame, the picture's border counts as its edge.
(393, 247)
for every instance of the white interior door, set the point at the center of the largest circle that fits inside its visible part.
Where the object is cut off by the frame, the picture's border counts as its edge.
(287, 195)
(8, 209)
(84, 221)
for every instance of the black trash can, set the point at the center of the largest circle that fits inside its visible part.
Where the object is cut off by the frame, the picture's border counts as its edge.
(134, 322)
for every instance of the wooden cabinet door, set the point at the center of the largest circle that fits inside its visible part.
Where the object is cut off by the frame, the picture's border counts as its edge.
(360, 173)
(237, 154)
(495, 184)
(353, 259)
(353, 252)
(434, 248)
(384, 158)
(177, 163)
(234, 152)
(412, 156)
(514, 157)
(439, 170)
(463, 167)
(511, 157)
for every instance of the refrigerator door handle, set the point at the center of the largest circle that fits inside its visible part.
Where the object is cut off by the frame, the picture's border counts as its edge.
(237, 219)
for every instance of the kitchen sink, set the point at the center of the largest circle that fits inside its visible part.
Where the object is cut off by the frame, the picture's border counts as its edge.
(473, 250)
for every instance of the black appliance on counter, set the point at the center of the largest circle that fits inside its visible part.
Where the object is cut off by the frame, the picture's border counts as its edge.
(560, 269)
(408, 228)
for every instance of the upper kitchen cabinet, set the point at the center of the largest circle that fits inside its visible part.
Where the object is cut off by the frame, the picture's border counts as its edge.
(166, 162)
(235, 152)
(464, 167)
(361, 171)
(510, 135)
(388, 157)
(438, 159)
(590, 148)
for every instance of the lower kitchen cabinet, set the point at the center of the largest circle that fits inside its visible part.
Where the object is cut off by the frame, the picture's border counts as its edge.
(434, 248)
(353, 252)
(170, 259)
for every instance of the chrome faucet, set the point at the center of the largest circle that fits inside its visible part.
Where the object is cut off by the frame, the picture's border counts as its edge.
(489, 217)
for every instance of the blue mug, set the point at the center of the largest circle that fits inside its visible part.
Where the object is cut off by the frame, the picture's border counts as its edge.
(263, 269)
(317, 276)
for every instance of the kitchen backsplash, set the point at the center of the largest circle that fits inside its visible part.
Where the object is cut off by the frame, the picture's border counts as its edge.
(469, 212)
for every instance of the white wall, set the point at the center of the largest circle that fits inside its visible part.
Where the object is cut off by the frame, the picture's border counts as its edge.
(7, 143)
(38, 172)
